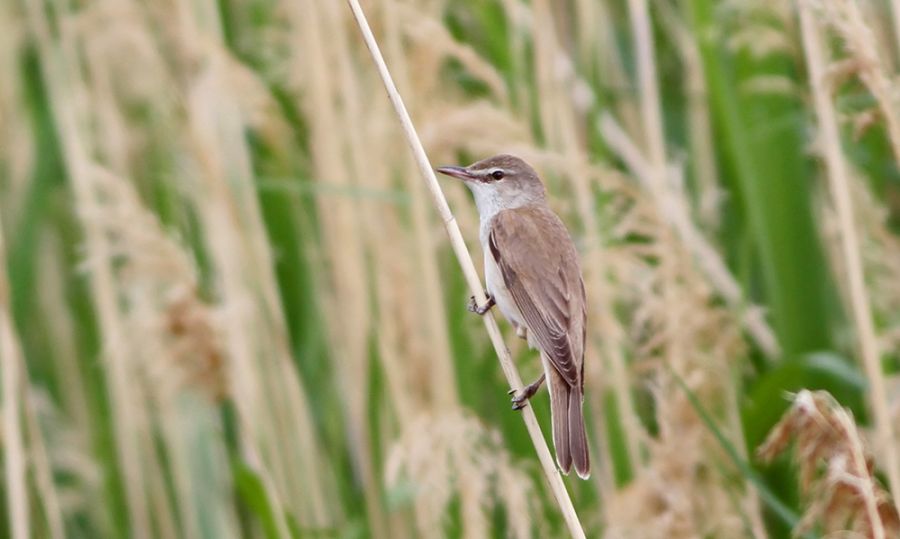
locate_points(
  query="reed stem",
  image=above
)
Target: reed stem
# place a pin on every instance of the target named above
(840, 192)
(13, 439)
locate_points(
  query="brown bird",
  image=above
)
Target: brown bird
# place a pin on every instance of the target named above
(533, 276)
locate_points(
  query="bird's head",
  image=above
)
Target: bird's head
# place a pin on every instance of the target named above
(500, 182)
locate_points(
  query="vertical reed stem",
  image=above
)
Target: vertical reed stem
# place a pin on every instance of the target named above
(654, 140)
(13, 444)
(840, 192)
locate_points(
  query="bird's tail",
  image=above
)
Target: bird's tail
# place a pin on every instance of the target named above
(559, 417)
(569, 437)
(578, 445)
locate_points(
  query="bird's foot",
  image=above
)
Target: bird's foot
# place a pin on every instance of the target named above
(480, 309)
(522, 396)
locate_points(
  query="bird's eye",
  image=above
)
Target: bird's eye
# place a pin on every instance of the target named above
(497, 174)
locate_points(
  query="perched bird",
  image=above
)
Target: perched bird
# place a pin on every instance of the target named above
(533, 276)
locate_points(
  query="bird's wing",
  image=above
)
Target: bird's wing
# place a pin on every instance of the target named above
(540, 268)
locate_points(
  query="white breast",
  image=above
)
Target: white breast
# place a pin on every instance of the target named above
(491, 200)
(497, 287)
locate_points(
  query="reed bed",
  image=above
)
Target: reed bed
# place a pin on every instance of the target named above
(228, 307)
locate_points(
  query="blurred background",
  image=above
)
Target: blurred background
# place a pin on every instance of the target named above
(229, 309)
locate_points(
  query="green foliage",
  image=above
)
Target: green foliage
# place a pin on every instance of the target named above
(252, 492)
(768, 174)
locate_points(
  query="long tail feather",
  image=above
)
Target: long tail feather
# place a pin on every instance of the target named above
(578, 446)
(559, 413)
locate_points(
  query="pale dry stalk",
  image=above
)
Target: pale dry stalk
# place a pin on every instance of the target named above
(516, 14)
(11, 369)
(280, 446)
(895, 13)
(840, 191)
(398, 280)
(324, 44)
(151, 266)
(177, 348)
(835, 470)
(879, 247)
(846, 17)
(16, 129)
(600, 47)
(699, 121)
(162, 507)
(558, 115)
(401, 351)
(654, 141)
(245, 387)
(588, 35)
(660, 185)
(60, 331)
(452, 452)
(356, 163)
(674, 209)
(120, 205)
(431, 306)
(67, 94)
(43, 471)
(471, 275)
(114, 191)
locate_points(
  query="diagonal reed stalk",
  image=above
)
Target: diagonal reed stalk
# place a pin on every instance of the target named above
(471, 275)
(830, 147)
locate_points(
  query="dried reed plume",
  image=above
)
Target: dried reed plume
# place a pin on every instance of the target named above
(176, 355)
(836, 471)
(879, 247)
(863, 59)
(441, 457)
(59, 448)
(173, 64)
(182, 348)
(673, 492)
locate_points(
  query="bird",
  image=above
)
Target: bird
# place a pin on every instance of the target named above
(533, 276)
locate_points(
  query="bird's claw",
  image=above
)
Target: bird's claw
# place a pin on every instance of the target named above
(520, 397)
(480, 309)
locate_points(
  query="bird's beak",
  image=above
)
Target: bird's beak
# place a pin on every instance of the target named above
(456, 172)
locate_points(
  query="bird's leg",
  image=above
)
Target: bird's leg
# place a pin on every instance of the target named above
(522, 396)
(480, 309)
(521, 331)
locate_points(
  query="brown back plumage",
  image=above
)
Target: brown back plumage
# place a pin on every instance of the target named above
(540, 268)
